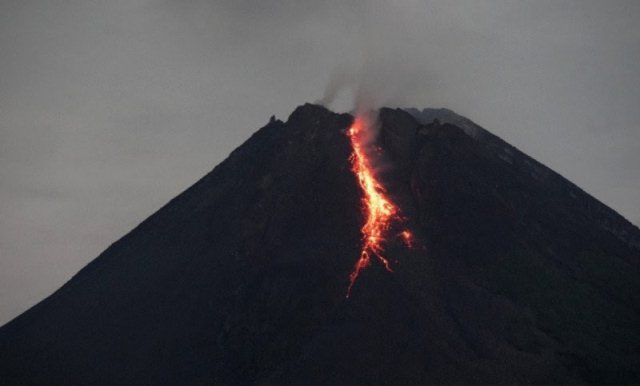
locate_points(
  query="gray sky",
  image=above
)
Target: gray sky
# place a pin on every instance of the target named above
(108, 109)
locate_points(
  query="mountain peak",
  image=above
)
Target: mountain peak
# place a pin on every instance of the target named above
(514, 275)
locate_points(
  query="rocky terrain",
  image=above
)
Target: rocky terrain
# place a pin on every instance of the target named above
(517, 276)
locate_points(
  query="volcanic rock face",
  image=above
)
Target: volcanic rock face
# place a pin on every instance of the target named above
(516, 275)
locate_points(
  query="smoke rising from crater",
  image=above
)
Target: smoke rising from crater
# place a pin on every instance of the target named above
(377, 72)
(110, 109)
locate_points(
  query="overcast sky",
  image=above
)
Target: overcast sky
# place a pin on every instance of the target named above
(108, 109)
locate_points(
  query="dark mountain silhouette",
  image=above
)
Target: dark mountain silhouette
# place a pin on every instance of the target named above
(517, 275)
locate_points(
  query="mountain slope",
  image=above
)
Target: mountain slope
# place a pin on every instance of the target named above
(517, 276)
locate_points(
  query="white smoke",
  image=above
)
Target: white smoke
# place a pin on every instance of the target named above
(384, 65)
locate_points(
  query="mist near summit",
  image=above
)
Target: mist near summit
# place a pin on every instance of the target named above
(109, 109)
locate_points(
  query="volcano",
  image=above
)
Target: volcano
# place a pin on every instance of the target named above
(513, 275)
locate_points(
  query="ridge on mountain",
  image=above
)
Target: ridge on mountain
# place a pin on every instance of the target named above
(611, 220)
(517, 275)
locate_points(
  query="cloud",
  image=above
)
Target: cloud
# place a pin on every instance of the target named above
(109, 109)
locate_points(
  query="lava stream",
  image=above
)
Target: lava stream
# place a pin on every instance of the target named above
(380, 211)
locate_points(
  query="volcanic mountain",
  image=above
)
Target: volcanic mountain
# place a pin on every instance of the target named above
(513, 275)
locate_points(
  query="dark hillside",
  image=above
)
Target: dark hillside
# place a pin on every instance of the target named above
(517, 275)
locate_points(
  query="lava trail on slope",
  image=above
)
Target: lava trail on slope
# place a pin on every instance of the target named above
(380, 211)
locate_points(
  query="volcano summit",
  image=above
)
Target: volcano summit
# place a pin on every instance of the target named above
(513, 275)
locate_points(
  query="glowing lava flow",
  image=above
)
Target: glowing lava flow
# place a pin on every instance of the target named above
(379, 209)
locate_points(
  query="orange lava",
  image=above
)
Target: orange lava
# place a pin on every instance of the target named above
(380, 211)
(407, 237)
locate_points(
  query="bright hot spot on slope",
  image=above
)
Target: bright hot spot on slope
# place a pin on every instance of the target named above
(379, 209)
